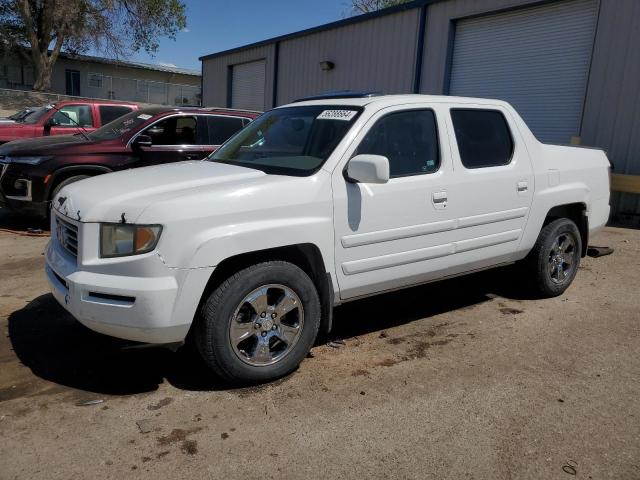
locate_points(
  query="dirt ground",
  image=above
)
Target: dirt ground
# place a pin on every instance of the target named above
(460, 379)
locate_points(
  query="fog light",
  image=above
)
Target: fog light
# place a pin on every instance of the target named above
(21, 187)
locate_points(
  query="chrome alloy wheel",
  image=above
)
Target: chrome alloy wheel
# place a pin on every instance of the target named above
(562, 258)
(266, 325)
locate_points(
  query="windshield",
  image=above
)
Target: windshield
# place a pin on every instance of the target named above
(20, 114)
(34, 116)
(289, 141)
(120, 126)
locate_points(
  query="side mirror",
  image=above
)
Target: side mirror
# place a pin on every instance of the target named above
(50, 123)
(142, 141)
(368, 169)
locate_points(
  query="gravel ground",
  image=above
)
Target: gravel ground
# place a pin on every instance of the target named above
(466, 378)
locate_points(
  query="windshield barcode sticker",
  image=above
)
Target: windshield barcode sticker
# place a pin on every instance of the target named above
(345, 115)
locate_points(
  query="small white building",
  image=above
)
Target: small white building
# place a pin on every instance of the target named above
(95, 77)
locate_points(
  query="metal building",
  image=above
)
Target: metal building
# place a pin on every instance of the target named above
(570, 67)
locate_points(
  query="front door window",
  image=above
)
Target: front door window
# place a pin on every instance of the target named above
(174, 131)
(73, 116)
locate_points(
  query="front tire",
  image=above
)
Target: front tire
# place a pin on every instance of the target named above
(260, 323)
(65, 182)
(553, 262)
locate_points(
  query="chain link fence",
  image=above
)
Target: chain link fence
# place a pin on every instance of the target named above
(148, 91)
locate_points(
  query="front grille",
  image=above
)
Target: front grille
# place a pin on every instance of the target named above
(67, 234)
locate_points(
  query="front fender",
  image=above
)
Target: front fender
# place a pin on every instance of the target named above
(218, 243)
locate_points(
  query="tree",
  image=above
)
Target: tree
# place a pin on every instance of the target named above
(367, 6)
(38, 30)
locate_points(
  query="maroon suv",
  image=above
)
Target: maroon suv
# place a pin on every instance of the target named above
(33, 170)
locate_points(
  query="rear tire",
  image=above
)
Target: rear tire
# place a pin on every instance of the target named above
(553, 262)
(259, 324)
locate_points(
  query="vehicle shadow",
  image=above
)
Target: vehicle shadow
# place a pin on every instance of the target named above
(20, 223)
(404, 306)
(57, 348)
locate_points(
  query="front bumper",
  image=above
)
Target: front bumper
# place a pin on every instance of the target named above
(26, 207)
(151, 309)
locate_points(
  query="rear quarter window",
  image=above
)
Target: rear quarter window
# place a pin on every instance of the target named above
(483, 137)
(221, 128)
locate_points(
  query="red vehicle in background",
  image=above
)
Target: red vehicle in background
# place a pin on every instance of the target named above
(34, 169)
(64, 118)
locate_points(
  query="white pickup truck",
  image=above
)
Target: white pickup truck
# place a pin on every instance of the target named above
(314, 204)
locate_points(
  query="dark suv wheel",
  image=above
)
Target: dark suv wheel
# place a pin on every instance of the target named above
(65, 182)
(260, 323)
(553, 262)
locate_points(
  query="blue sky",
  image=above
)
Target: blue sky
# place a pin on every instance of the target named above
(215, 25)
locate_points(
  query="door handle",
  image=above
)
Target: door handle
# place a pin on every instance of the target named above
(439, 199)
(522, 187)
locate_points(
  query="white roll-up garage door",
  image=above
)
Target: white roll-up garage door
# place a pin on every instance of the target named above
(535, 58)
(247, 88)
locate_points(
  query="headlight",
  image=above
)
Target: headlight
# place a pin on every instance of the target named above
(120, 240)
(28, 160)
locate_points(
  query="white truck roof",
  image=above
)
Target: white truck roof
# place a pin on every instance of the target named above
(383, 101)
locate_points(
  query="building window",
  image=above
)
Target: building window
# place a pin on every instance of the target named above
(95, 80)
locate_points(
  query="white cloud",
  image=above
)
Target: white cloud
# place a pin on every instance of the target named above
(185, 30)
(164, 64)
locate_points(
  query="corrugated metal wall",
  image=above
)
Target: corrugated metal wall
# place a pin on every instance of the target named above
(379, 54)
(535, 58)
(375, 55)
(440, 17)
(215, 72)
(612, 108)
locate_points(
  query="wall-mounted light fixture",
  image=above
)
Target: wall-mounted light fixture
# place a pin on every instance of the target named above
(326, 65)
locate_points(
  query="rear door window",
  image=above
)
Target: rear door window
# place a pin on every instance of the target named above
(483, 137)
(108, 113)
(221, 128)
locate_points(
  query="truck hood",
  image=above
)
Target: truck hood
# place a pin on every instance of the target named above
(42, 145)
(123, 196)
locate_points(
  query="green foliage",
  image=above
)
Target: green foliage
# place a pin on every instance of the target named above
(40, 29)
(366, 6)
